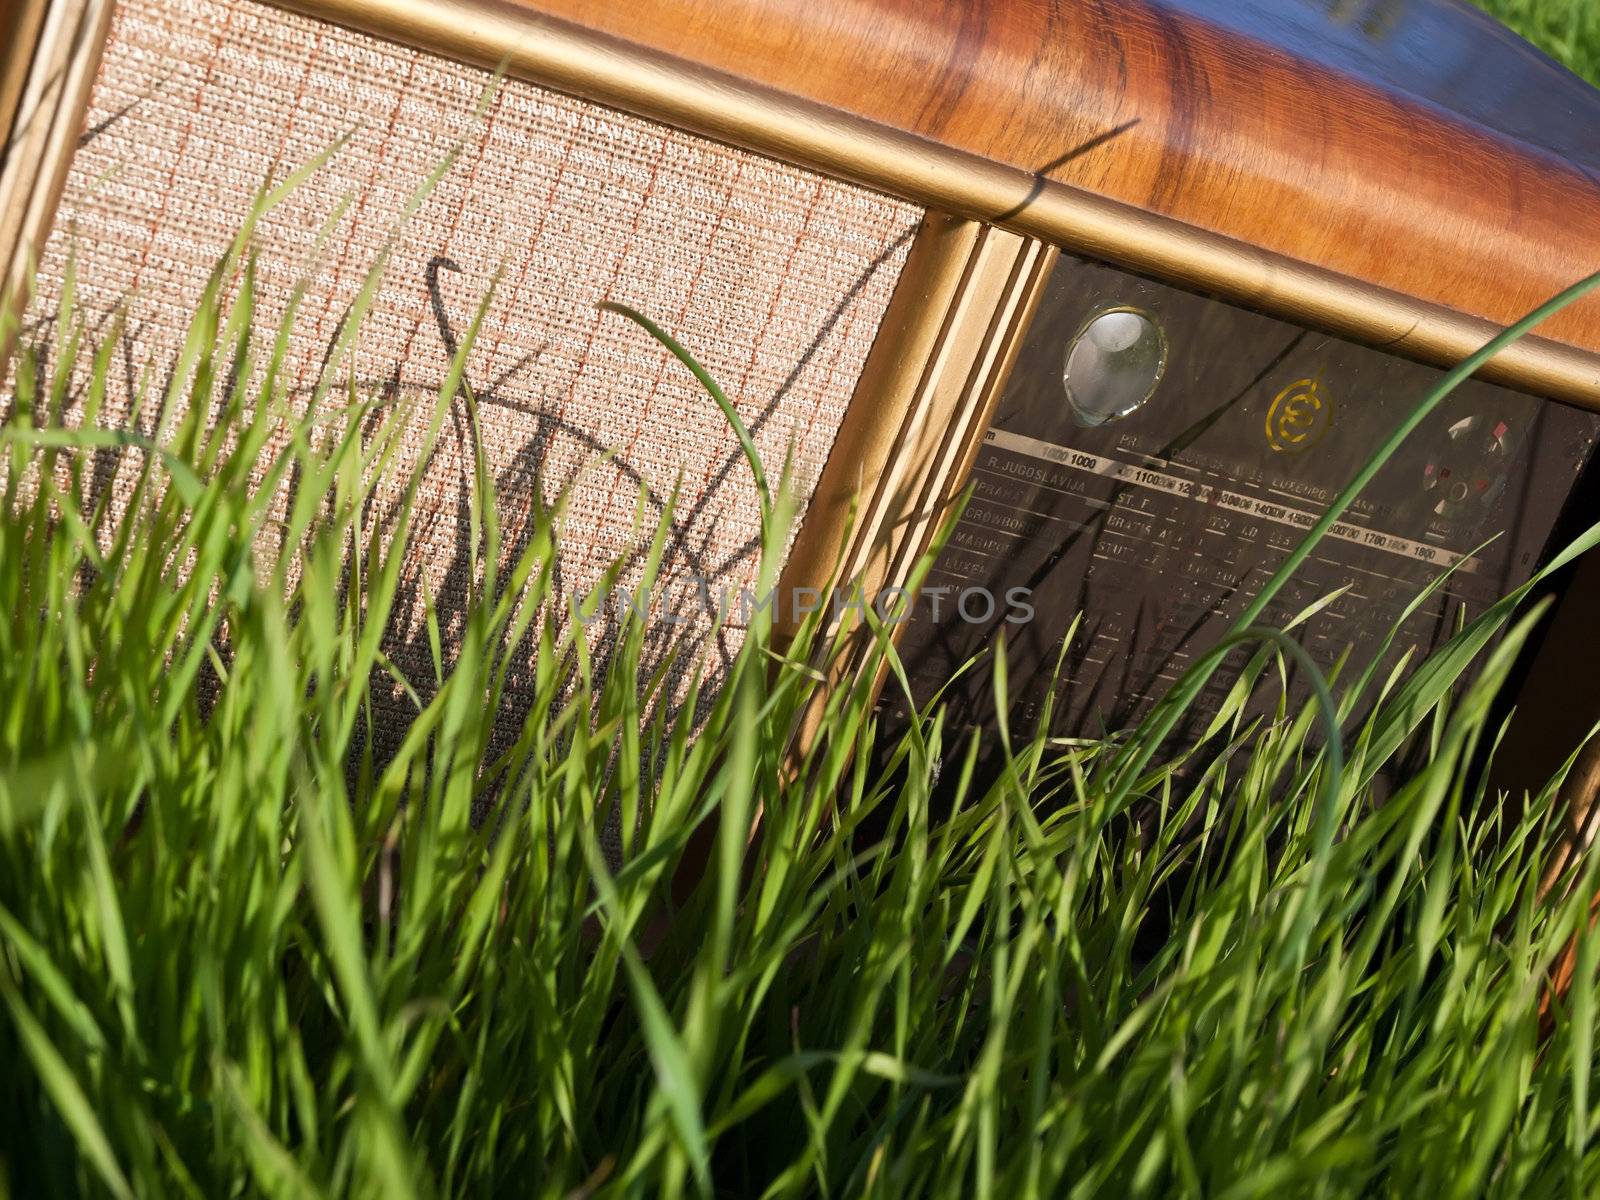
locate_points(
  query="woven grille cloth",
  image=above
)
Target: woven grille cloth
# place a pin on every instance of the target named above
(776, 278)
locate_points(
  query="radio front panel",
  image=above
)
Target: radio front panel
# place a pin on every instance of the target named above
(1157, 455)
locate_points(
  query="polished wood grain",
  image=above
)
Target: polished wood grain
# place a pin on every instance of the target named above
(1410, 144)
(19, 33)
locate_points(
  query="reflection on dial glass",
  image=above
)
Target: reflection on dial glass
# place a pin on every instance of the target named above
(1114, 366)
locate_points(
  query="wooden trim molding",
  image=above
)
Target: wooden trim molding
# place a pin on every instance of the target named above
(922, 405)
(19, 34)
(51, 89)
(924, 401)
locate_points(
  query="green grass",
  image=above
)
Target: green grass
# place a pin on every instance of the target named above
(240, 955)
(1567, 30)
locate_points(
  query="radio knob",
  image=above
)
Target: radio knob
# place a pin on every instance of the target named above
(1467, 472)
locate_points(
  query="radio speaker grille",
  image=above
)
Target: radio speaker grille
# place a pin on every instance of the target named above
(775, 277)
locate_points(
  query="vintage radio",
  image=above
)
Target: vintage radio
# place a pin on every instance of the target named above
(1153, 275)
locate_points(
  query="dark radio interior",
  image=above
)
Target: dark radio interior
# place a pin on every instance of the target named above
(1160, 522)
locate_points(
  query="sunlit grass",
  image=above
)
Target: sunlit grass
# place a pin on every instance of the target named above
(240, 953)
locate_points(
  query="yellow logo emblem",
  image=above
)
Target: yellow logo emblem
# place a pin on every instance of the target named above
(1299, 416)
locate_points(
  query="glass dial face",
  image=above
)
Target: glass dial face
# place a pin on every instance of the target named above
(1114, 366)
